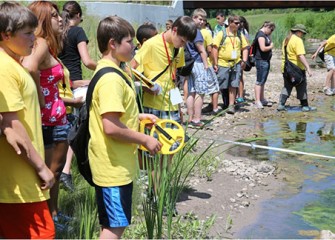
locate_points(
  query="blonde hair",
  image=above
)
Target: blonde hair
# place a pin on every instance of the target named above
(199, 12)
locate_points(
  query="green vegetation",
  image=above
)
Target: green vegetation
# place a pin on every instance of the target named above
(317, 22)
(321, 213)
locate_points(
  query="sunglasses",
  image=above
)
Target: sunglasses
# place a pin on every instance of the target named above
(237, 23)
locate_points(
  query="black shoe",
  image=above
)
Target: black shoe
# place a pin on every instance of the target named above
(66, 180)
(207, 109)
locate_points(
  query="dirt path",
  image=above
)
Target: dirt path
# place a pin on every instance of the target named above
(240, 184)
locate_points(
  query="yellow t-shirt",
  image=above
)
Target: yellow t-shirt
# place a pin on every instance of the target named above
(67, 92)
(19, 182)
(152, 59)
(295, 47)
(330, 45)
(230, 47)
(113, 162)
(208, 40)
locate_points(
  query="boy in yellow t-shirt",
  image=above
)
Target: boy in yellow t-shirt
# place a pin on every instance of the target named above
(113, 125)
(25, 178)
(154, 56)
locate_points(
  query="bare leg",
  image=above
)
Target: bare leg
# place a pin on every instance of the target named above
(215, 100)
(55, 159)
(241, 88)
(199, 99)
(185, 89)
(190, 106)
(111, 233)
(67, 166)
(258, 94)
(232, 95)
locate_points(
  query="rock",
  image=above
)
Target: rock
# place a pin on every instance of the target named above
(265, 167)
(326, 234)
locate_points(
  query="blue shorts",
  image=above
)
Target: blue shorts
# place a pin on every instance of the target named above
(263, 69)
(114, 205)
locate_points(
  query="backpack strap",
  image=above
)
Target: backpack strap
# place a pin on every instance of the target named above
(94, 81)
(225, 36)
(223, 39)
(175, 53)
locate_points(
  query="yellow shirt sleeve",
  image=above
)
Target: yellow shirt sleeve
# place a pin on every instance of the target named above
(330, 46)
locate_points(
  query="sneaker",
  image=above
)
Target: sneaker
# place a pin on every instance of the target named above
(281, 108)
(259, 105)
(266, 103)
(240, 100)
(328, 92)
(308, 109)
(216, 112)
(207, 109)
(66, 180)
(231, 109)
(199, 124)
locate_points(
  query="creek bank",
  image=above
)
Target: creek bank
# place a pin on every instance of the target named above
(240, 184)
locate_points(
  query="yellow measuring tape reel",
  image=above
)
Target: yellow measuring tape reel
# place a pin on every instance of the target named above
(168, 132)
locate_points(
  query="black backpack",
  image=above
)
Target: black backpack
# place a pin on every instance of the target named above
(79, 134)
(189, 62)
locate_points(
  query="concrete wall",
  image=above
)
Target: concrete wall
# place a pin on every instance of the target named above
(137, 14)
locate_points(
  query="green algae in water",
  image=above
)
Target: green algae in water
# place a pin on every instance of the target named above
(321, 214)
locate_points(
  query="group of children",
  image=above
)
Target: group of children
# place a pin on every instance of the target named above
(35, 120)
(38, 46)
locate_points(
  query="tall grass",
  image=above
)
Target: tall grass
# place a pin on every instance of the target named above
(317, 23)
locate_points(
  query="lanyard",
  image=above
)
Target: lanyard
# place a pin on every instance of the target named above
(232, 43)
(168, 57)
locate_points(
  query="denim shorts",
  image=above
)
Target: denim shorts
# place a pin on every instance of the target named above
(173, 115)
(263, 69)
(53, 134)
(229, 76)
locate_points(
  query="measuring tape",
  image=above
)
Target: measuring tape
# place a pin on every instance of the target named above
(168, 132)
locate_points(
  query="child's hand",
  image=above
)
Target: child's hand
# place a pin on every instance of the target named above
(78, 102)
(47, 177)
(16, 141)
(151, 117)
(152, 144)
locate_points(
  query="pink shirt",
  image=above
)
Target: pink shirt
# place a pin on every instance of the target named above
(54, 112)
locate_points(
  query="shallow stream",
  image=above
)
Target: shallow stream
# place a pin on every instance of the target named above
(306, 204)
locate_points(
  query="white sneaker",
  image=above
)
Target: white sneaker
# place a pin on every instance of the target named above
(328, 92)
(266, 103)
(259, 105)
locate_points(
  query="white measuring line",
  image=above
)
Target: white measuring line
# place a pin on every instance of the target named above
(253, 146)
